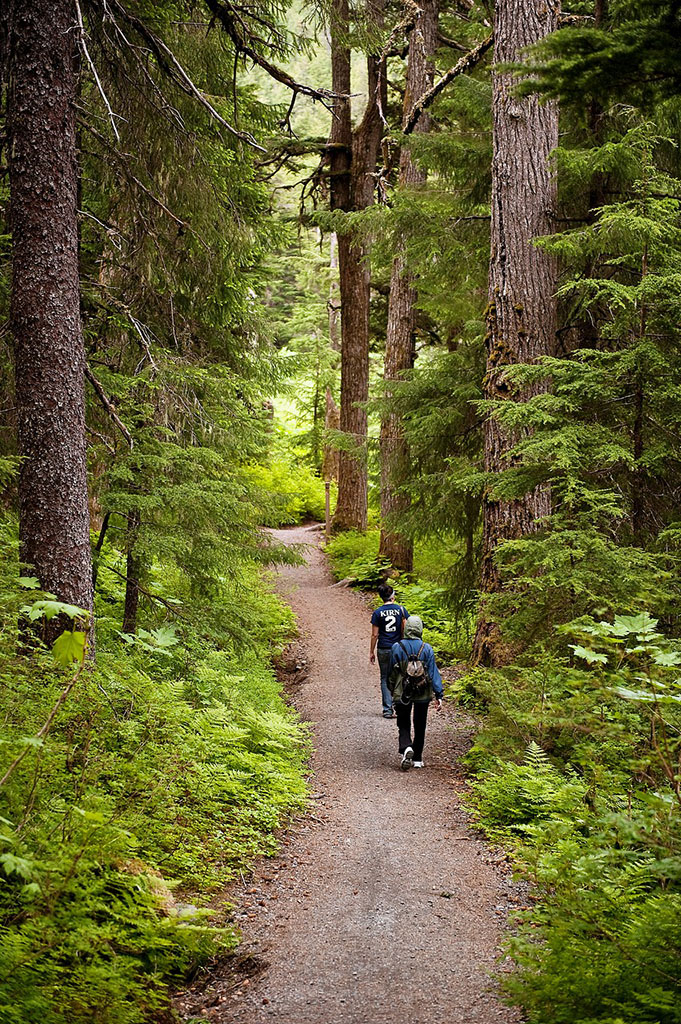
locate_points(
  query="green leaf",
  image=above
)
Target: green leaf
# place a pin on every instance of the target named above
(667, 658)
(591, 657)
(50, 607)
(69, 647)
(29, 582)
(642, 624)
(164, 636)
(13, 865)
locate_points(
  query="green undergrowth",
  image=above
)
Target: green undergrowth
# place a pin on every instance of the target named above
(575, 771)
(294, 492)
(168, 768)
(426, 592)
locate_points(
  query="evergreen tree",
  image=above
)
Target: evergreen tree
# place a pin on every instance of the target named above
(45, 314)
(399, 351)
(521, 315)
(353, 158)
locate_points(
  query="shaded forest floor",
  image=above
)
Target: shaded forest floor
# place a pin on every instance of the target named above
(383, 906)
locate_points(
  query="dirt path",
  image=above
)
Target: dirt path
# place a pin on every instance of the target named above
(382, 908)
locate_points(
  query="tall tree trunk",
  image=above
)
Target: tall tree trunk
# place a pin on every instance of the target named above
(332, 416)
(354, 189)
(54, 524)
(521, 316)
(394, 546)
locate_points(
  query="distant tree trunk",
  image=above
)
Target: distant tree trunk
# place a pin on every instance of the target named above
(132, 574)
(54, 525)
(332, 416)
(521, 315)
(354, 189)
(394, 546)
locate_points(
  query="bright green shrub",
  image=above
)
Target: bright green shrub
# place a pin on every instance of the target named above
(168, 768)
(290, 492)
(595, 827)
(354, 556)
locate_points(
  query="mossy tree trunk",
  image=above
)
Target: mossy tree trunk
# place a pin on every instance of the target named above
(396, 546)
(521, 317)
(353, 158)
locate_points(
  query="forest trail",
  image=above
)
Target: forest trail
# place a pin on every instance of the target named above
(381, 908)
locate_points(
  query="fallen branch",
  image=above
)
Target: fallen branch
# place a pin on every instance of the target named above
(347, 582)
(108, 405)
(467, 63)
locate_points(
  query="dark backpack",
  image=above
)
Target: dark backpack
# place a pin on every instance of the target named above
(410, 677)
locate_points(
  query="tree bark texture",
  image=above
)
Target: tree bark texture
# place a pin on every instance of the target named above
(332, 416)
(394, 546)
(521, 315)
(354, 191)
(45, 304)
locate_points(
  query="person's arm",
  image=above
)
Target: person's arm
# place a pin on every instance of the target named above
(405, 616)
(434, 673)
(374, 640)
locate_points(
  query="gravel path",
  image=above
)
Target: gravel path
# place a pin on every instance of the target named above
(382, 907)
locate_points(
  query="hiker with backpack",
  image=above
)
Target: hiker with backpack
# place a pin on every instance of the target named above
(415, 681)
(387, 626)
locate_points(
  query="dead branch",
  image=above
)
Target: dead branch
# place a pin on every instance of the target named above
(147, 593)
(225, 13)
(100, 87)
(169, 64)
(122, 160)
(407, 23)
(451, 43)
(108, 405)
(467, 63)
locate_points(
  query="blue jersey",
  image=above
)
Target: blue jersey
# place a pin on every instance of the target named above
(389, 618)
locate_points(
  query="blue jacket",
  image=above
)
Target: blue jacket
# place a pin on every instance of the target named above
(413, 645)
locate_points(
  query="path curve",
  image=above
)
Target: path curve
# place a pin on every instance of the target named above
(383, 908)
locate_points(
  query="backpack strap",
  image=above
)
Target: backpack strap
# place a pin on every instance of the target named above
(404, 650)
(423, 644)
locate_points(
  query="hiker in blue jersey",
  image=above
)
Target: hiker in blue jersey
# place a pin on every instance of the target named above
(387, 626)
(415, 681)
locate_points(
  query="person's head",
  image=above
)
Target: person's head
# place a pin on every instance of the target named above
(413, 627)
(386, 592)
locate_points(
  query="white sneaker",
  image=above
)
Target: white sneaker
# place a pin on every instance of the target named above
(418, 764)
(407, 759)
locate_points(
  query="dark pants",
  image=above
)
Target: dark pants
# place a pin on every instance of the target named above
(384, 659)
(404, 726)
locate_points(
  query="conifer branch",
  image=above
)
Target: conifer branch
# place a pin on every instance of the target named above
(170, 65)
(147, 593)
(467, 63)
